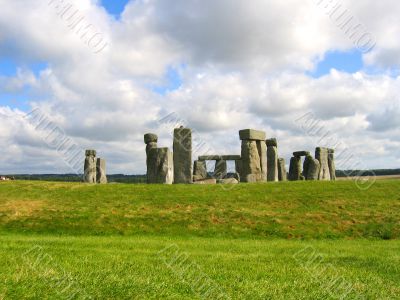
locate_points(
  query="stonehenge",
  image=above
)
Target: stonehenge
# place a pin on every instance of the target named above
(257, 162)
(182, 147)
(94, 170)
(159, 161)
(254, 156)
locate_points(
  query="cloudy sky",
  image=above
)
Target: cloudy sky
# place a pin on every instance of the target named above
(310, 73)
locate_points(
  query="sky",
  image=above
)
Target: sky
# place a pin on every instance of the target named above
(309, 73)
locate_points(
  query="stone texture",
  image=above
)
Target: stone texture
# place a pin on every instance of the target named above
(262, 150)
(282, 175)
(206, 181)
(301, 153)
(331, 163)
(251, 134)
(90, 167)
(150, 138)
(295, 168)
(272, 142)
(210, 157)
(183, 168)
(313, 168)
(251, 163)
(238, 166)
(272, 159)
(160, 167)
(220, 170)
(101, 176)
(228, 181)
(322, 155)
(230, 157)
(199, 170)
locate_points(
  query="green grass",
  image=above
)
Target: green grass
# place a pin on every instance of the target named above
(283, 210)
(294, 240)
(133, 268)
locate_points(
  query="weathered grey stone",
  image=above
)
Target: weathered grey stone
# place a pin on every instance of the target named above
(150, 138)
(220, 170)
(251, 162)
(312, 169)
(228, 181)
(251, 134)
(206, 181)
(295, 168)
(101, 176)
(90, 167)
(238, 166)
(301, 153)
(282, 175)
(150, 146)
(160, 166)
(262, 151)
(331, 163)
(230, 157)
(183, 168)
(322, 155)
(272, 159)
(199, 170)
(210, 157)
(272, 142)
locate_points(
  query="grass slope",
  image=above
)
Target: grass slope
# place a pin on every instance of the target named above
(281, 210)
(38, 267)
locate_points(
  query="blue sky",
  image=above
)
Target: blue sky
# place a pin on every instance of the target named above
(114, 7)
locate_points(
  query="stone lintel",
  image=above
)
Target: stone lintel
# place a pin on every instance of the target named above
(272, 142)
(150, 138)
(301, 153)
(252, 134)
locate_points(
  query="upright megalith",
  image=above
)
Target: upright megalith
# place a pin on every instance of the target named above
(221, 169)
(272, 160)
(90, 167)
(199, 170)
(295, 168)
(183, 168)
(160, 166)
(101, 176)
(150, 139)
(282, 176)
(322, 155)
(311, 168)
(254, 156)
(331, 163)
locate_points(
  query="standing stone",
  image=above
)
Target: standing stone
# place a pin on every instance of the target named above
(160, 166)
(101, 176)
(322, 155)
(331, 163)
(254, 153)
(282, 175)
(311, 168)
(295, 168)
(150, 139)
(90, 167)
(199, 170)
(183, 168)
(221, 169)
(272, 159)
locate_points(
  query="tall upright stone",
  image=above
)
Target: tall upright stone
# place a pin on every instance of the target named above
(322, 155)
(101, 176)
(253, 154)
(295, 168)
(331, 163)
(183, 168)
(160, 166)
(272, 160)
(282, 170)
(150, 139)
(199, 170)
(90, 167)
(221, 169)
(311, 168)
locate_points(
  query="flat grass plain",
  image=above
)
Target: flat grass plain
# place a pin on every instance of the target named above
(294, 240)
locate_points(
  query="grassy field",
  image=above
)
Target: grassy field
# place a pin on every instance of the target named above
(295, 240)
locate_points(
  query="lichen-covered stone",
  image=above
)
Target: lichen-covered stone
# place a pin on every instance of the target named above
(228, 181)
(262, 151)
(220, 169)
(322, 155)
(89, 171)
(311, 168)
(272, 159)
(295, 168)
(160, 166)
(101, 176)
(271, 142)
(183, 168)
(199, 170)
(150, 138)
(301, 153)
(250, 163)
(206, 181)
(331, 163)
(282, 175)
(251, 134)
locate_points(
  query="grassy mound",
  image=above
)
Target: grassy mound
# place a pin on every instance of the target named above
(279, 210)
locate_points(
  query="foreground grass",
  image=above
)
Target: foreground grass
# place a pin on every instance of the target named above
(48, 267)
(281, 210)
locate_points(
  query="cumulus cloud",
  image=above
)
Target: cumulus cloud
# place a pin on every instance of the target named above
(240, 66)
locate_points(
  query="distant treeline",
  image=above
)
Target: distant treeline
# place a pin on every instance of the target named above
(142, 178)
